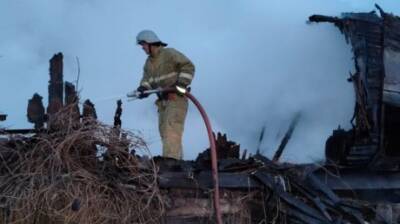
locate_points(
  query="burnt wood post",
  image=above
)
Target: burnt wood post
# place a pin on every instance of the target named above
(89, 112)
(117, 116)
(55, 84)
(35, 111)
(71, 101)
(3, 117)
(117, 119)
(286, 138)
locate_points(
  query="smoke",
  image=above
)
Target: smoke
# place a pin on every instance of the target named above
(257, 64)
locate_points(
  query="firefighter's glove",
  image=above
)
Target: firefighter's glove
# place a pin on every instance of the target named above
(141, 92)
(138, 93)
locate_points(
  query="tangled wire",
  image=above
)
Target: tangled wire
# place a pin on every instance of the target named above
(61, 176)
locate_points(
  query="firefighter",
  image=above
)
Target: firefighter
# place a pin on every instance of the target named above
(166, 67)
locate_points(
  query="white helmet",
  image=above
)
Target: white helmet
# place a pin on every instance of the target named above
(149, 37)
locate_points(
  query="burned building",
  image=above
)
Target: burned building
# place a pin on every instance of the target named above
(373, 139)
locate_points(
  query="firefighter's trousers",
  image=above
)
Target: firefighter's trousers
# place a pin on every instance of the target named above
(171, 120)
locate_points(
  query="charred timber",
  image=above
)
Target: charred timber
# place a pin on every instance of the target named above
(117, 116)
(286, 138)
(71, 101)
(71, 96)
(56, 84)
(302, 193)
(36, 113)
(226, 150)
(3, 117)
(322, 18)
(18, 131)
(89, 112)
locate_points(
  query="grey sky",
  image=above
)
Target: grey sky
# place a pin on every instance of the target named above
(257, 62)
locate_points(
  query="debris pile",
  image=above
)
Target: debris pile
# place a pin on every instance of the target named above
(71, 168)
(60, 177)
(256, 190)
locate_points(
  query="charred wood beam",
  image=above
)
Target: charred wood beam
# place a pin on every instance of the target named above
(203, 180)
(71, 96)
(236, 165)
(265, 161)
(244, 155)
(225, 148)
(36, 113)
(260, 139)
(3, 117)
(360, 111)
(292, 201)
(18, 131)
(310, 194)
(308, 199)
(315, 183)
(286, 138)
(89, 112)
(71, 101)
(270, 165)
(299, 217)
(117, 116)
(55, 84)
(360, 180)
(353, 214)
(117, 127)
(380, 10)
(322, 18)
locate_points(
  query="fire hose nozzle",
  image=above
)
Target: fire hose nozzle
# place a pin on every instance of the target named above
(136, 94)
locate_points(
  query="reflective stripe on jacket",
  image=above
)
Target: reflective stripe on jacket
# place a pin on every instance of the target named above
(166, 68)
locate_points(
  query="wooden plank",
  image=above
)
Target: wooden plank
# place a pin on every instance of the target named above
(203, 180)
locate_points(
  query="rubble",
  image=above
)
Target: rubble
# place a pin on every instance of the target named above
(35, 113)
(59, 177)
(282, 193)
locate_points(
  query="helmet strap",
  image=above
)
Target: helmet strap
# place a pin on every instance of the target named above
(151, 49)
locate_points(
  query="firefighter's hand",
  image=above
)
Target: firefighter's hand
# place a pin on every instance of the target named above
(140, 92)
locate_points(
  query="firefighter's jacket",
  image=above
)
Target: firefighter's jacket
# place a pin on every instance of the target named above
(166, 69)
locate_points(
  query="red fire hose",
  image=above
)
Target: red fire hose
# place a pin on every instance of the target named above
(214, 163)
